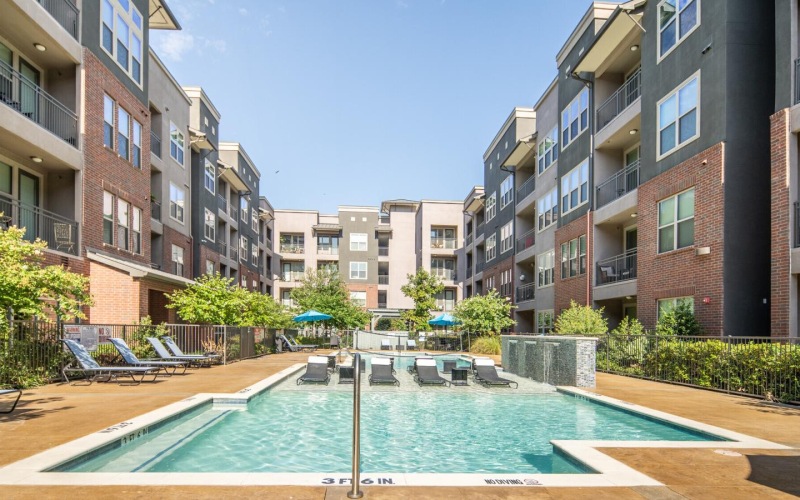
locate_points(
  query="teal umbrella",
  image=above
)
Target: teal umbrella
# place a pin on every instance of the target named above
(444, 319)
(312, 315)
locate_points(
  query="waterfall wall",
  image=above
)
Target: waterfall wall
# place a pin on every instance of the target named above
(555, 360)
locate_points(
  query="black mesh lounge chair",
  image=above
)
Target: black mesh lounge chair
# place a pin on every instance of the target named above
(386, 345)
(474, 361)
(93, 371)
(295, 347)
(411, 345)
(413, 368)
(172, 346)
(169, 367)
(316, 371)
(3, 392)
(165, 355)
(428, 374)
(382, 372)
(486, 374)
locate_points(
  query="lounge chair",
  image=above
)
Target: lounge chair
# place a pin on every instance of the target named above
(165, 355)
(486, 374)
(386, 345)
(382, 372)
(93, 371)
(132, 360)
(3, 392)
(411, 345)
(316, 371)
(295, 347)
(346, 375)
(331, 362)
(412, 369)
(474, 365)
(334, 341)
(309, 347)
(427, 373)
(172, 346)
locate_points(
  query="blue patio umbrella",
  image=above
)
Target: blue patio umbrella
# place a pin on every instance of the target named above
(312, 315)
(444, 319)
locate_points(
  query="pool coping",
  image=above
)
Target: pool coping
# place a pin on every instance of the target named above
(610, 472)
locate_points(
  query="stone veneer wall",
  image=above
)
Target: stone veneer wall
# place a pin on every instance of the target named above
(553, 360)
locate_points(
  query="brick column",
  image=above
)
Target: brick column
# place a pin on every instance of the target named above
(781, 228)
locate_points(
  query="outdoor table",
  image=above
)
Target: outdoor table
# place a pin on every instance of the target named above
(458, 376)
(448, 366)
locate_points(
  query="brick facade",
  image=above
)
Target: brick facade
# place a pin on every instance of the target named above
(206, 253)
(682, 272)
(372, 293)
(781, 230)
(173, 237)
(577, 288)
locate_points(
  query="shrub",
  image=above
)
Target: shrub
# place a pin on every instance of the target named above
(581, 320)
(679, 320)
(486, 345)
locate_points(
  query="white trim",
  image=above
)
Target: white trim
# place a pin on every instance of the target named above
(678, 39)
(674, 92)
(132, 31)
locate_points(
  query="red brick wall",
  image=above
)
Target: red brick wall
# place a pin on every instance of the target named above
(155, 309)
(372, 293)
(781, 224)
(206, 254)
(115, 295)
(173, 237)
(682, 272)
(576, 288)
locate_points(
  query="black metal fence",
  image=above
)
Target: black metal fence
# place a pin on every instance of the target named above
(65, 12)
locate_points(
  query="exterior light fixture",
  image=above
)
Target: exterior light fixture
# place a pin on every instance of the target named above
(634, 131)
(634, 48)
(40, 47)
(634, 215)
(36, 159)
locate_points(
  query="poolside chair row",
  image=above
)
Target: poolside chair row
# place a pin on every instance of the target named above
(386, 345)
(317, 371)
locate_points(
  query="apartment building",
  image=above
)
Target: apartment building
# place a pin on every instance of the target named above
(266, 253)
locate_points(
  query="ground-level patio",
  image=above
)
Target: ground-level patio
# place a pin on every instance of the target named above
(58, 413)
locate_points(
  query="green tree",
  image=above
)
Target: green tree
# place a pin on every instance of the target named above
(422, 288)
(262, 310)
(581, 320)
(679, 320)
(324, 291)
(211, 299)
(486, 314)
(628, 326)
(33, 289)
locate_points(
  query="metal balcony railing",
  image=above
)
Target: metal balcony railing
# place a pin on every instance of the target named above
(292, 248)
(292, 275)
(155, 144)
(222, 203)
(527, 240)
(796, 81)
(381, 305)
(383, 219)
(479, 267)
(446, 243)
(617, 268)
(383, 251)
(619, 184)
(65, 13)
(32, 102)
(233, 253)
(469, 272)
(619, 100)
(796, 224)
(223, 248)
(60, 233)
(470, 237)
(527, 188)
(445, 274)
(155, 210)
(479, 229)
(383, 279)
(526, 292)
(327, 250)
(233, 212)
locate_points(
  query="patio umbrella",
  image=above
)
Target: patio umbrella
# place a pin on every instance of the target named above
(312, 315)
(444, 319)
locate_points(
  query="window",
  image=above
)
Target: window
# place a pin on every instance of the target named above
(442, 237)
(675, 24)
(108, 218)
(506, 191)
(293, 271)
(491, 207)
(547, 210)
(243, 248)
(210, 267)
(676, 222)
(665, 305)
(210, 228)
(505, 283)
(254, 220)
(175, 143)
(575, 118)
(137, 144)
(177, 260)
(358, 242)
(286, 297)
(575, 187)
(176, 202)
(573, 257)
(120, 18)
(136, 230)
(123, 142)
(491, 247)
(108, 122)
(678, 117)
(358, 270)
(292, 243)
(446, 299)
(326, 265)
(546, 263)
(244, 206)
(359, 298)
(254, 254)
(544, 321)
(444, 268)
(507, 237)
(210, 177)
(327, 245)
(547, 150)
(122, 224)
(490, 283)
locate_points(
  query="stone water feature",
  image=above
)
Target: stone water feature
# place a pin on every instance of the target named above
(555, 360)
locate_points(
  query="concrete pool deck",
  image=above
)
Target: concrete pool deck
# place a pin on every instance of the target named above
(58, 413)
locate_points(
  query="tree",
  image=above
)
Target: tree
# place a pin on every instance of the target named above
(211, 299)
(324, 291)
(422, 288)
(262, 310)
(679, 320)
(485, 314)
(31, 289)
(581, 320)
(628, 326)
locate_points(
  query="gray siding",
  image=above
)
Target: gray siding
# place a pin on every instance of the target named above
(346, 256)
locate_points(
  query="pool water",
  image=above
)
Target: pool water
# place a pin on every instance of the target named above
(440, 431)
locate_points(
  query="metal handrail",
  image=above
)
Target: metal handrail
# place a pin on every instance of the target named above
(619, 100)
(383, 279)
(155, 144)
(527, 240)
(618, 268)
(447, 274)
(60, 233)
(383, 251)
(526, 292)
(448, 243)
(32, 102)
(618, 185)
(292, 248)
(355, 481)
(470, 237)
(327, 250)
(65, 13)
(155, 210)
(527, 188)
(222, 202)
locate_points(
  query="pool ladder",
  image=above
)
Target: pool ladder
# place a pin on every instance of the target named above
(356, 479)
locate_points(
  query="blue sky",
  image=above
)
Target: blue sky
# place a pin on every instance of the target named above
(352, 102)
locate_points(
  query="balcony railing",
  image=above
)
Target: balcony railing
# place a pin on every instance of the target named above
(292, 248)
(381, 305)
(526, 292)
(155, 210)
(470, 238)
(383, 279)
(469, 272)
(31, 101)
(292, 275)
(233, 253)
(222, 203)
(619, 100)
(233, 212)
(327, 250)
(479, 229)
(447, 243)
(155, 144)
(223, 248)
(65, 13)
(527, 188)
(60, 233)
(383, 251)
(445, 274)
(479, 267)
(527, 240)
(619, 184)
(796, 224)
(617, 268)
(796, 81)
(383, 219)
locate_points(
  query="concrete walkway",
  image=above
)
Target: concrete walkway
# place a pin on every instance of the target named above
(58, 413)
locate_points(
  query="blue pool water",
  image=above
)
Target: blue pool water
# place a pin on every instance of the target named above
(440, 430)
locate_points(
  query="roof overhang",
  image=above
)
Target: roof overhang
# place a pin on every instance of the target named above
(474, 205)
(229, 174)
(161, 17)
(137, 271)
(200, 140)
(614, 36)
(387, 205)
(385, 228)
(265, 215)
(327, 228)
(521, 152)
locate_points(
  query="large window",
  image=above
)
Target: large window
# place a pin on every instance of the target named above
(491, 207)
(507, 237)
(254, 254)
(176, 143)
(243, 248)
(210, 177)
(575, 118)
(675, 22)
(358, 270)
(210, 227)
(679, 117)
(446, 299)
(444, 268)
(292, 243)
(121, 35)
(177, 202)
(122, 224)
(136, 157)
(547, 210)
(358, 298)
(544, 321)
(573, 257)
(210, 267)
(442, 237)
(575, 187)
(108, 122)
(136, 230)
(676, 222)
(108, 218)
(547, 150)
(506, 283)
(665, 305)
(244, 207)
(506, 191)
(546, 263)
(123, 140)
(491, 247)
(358, 242)
(327, 244)
(293, 271)
(177, 260)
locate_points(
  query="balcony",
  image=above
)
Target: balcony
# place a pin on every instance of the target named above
(381, 305)
(626, 95)
(223, 248)
(32, 102)
(233, 212)
(222, 204)
(445, 274)
(469, 272)
(618, 185)
(616, 269)
(65, 13)
(383, 279)
(445, 243)
(469, 239)
(383, 251)
(155, 144)
(479, 267)
(479, 229)
(60, 233)
(527, 188)
(526, 241)
(292, 275)
(324, 250)
(526, 292)
(233, 253)
(155, 210)
(292, 248)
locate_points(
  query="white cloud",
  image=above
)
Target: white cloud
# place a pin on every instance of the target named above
(243, 11)
(175, 44)
(217, 44)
